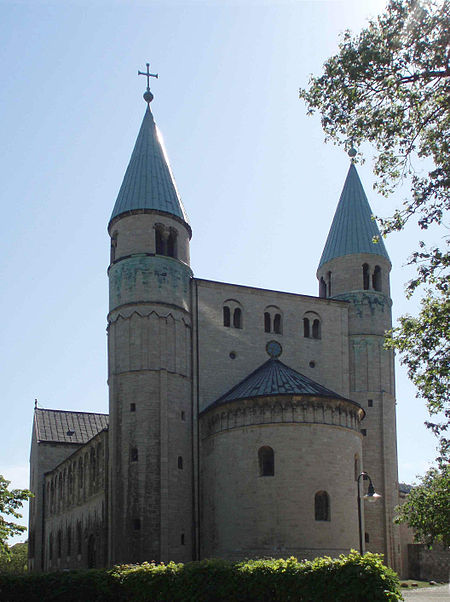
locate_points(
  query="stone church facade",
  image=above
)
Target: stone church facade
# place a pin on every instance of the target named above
(239, 418)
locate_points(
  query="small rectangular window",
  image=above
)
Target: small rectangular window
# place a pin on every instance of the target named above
(370, 402)
(182, 539)
(132, 407)
(364, 432)
(183, 415)
(136, 524)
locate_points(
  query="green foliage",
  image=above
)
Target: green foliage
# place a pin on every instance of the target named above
(389, 86)
(16, 560)
(427, 508)
(424, 343)
(351, 578)
(10, 503)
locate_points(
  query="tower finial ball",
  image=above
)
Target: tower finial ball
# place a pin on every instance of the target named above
(148, 96)
(352, 152)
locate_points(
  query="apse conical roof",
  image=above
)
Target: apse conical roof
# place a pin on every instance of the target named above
(353, 229)
(148, 181)
(274, 378)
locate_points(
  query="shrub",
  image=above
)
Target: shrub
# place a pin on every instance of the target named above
(351, 578)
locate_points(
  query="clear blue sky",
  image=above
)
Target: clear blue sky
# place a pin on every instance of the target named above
(258, 183)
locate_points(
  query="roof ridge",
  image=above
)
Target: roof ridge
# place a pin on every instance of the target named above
(73, 411)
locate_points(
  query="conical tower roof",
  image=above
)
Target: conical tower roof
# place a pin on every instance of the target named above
(274, 378)
(353, 228)
(148, 182)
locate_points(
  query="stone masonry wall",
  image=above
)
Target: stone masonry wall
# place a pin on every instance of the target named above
(75, 531)
(425, 564)
(247, 514)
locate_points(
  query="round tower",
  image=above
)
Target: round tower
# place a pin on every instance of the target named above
(149, 354)
(355, 267)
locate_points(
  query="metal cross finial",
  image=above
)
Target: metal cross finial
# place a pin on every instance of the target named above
(148, 75)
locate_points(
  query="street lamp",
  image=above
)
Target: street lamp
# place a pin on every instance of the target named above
(370, 496)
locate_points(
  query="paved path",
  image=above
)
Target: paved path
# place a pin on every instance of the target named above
(427, 594)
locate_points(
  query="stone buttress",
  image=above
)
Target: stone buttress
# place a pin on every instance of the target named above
(355, 268)
(149, 350)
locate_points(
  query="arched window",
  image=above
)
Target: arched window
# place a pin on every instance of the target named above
(59, 543)
(93, 465)
(266, 461)
(159, 241)
(366, 537)
(365, 276)
(356, 467)
(232, 314)
(52, 496)
(98, 452)
(91, 552)
(329, 283)
(376, 278)
(237, 318)
(60, 490)
(277, 324)
(322, 288)
(79, 538)
(306, 328)
(113, 246)
(316, 329)
(69, 540)
(70, 480)
(80, 473)
(172, 243)
(312, 325)
(273, 319)
(134, 456)
(322, 506)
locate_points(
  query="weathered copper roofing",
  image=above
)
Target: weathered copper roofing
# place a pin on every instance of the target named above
(60, 426)
(148, 182)
(353, 229)
(274, 378)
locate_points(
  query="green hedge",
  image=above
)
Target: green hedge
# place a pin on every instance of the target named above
(351, 578)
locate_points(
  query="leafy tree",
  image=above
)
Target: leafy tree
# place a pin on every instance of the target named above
(389, 86)
(10, 502)
(427, 508)
(16, 561)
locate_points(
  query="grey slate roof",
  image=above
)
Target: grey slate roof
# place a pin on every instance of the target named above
(148, 182)
(352, 229)
(53, 425)
(274, 378)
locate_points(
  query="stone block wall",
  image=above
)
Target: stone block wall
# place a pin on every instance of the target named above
(75, 528)
(425, 564)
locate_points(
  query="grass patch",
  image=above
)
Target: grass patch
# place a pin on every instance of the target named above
(414, 584)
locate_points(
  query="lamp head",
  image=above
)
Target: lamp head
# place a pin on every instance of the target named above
(371, 495)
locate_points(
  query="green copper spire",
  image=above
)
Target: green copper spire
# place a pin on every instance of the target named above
(148, 183)
(353, 228)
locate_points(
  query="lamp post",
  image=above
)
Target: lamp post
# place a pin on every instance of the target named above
(370, 496)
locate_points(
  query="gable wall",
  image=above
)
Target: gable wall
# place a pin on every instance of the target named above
(44, 456)
(217, 372)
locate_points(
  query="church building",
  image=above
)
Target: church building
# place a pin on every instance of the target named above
(240, 418)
